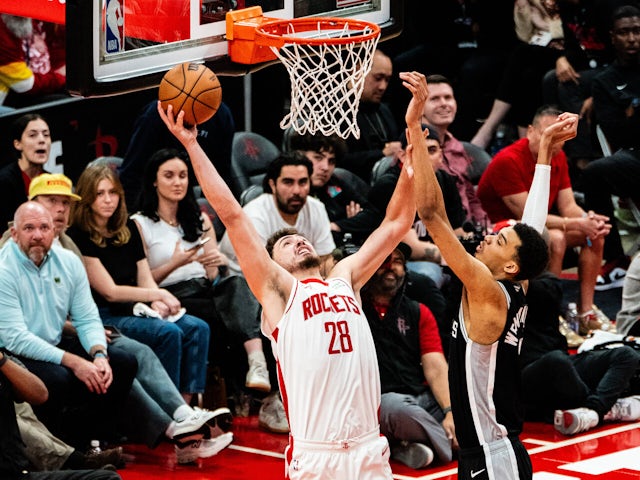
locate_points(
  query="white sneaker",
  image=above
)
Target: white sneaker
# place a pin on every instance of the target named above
(195, 422)
(258, 377)
(576, 420)
(624, 410)
(221, 421)
(413, 455)
(272, 416)
(190, 451)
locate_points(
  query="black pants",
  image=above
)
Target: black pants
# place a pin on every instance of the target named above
(73, 475)
(593, 379)
(618, 174)
(72, 412)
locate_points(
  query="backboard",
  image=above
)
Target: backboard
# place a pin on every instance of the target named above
(116, 46)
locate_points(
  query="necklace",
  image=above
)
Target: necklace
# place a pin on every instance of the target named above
(173, 223)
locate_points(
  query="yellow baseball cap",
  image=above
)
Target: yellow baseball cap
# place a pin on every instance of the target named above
(52, 184)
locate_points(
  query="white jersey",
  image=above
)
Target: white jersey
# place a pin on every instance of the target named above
(327, 363)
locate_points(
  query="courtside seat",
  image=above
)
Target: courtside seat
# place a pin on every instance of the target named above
(380, 167)
(251, 153)
(480, 161)
(350, 178)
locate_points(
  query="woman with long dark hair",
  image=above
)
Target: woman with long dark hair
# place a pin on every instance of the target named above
(119, 275)
(173, 228)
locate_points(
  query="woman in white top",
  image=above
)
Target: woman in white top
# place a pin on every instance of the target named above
(183, 254)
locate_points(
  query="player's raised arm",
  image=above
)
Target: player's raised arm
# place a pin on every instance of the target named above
(400, 212)
(259, 270)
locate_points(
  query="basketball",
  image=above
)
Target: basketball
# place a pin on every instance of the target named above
(192, 88)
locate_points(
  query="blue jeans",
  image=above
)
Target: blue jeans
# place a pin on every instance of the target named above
(182, 347)
(153, 397)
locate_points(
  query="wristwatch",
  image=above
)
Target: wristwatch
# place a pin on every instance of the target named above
(100, 354)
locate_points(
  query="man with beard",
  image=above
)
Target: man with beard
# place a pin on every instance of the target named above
(42, 69)
(286, 204)
(328, 369)
(415, 410)
(40, 288)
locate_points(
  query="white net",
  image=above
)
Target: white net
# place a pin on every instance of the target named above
(326, 81)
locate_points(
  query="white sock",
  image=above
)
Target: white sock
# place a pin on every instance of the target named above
(182, 412)
(257, 357)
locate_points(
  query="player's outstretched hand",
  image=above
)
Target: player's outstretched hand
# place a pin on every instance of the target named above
(176, 125)
(416, 83)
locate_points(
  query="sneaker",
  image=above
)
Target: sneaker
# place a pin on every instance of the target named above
(190, 451)
(258, 377)
(569, 422)
(624, 410)
(221, 421)
(589, 321)
(614, 279)
(108, 459)
(573, 339)
(272, 416)
(413, 455)
(607, 324)
(195, 423)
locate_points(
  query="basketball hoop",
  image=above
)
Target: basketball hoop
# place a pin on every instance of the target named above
(327, 60)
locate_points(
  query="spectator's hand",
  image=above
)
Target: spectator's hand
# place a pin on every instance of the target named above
(91, 374)
(595, 225)
(391, 149)
(170, 301)
(181, 256)
(105, 372)
(450, 429)
(586, 112)
(353, 208)
(213, 258)
(565, 72)
(161, 307)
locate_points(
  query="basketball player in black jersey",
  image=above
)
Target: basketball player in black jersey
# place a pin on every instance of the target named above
(484, 375)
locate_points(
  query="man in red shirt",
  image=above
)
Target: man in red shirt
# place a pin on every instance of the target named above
(503, 191)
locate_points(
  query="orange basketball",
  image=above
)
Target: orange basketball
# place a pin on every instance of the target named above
(193, 88)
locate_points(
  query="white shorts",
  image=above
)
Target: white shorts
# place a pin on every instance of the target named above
(363, 458)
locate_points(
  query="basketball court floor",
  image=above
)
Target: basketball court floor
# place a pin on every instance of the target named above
(610, 452)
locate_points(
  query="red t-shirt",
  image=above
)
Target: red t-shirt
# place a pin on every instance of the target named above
(429, 335)
(511, 172)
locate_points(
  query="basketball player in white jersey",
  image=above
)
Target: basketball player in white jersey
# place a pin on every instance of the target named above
(484, 377)
(327, 363)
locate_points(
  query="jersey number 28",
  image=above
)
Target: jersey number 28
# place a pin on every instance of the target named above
(340, 337)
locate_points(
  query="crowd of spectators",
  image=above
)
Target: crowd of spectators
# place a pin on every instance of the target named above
(136, 299)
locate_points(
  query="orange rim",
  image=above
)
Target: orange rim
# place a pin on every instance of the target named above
(275, 33)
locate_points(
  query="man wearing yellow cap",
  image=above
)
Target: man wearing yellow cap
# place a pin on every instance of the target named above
(55, 192)
(160, 409)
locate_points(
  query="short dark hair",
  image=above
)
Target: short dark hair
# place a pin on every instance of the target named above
(545, 111)
(437, 78)
(319, 143)
(285, 159)
(283, 232)
(532, 254)
(625, 11)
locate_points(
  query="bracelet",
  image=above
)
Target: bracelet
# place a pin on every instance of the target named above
(101, 354)
(446, 410)
(3, 360)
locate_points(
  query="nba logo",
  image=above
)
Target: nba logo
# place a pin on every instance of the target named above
(115, 26)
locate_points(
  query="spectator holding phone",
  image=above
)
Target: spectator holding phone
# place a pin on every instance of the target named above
(183, 255)
(119, 275)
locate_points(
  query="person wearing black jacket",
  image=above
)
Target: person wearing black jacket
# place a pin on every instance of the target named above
(415, 411)
(616, 103)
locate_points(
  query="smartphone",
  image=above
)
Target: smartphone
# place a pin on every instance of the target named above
(201, 242)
